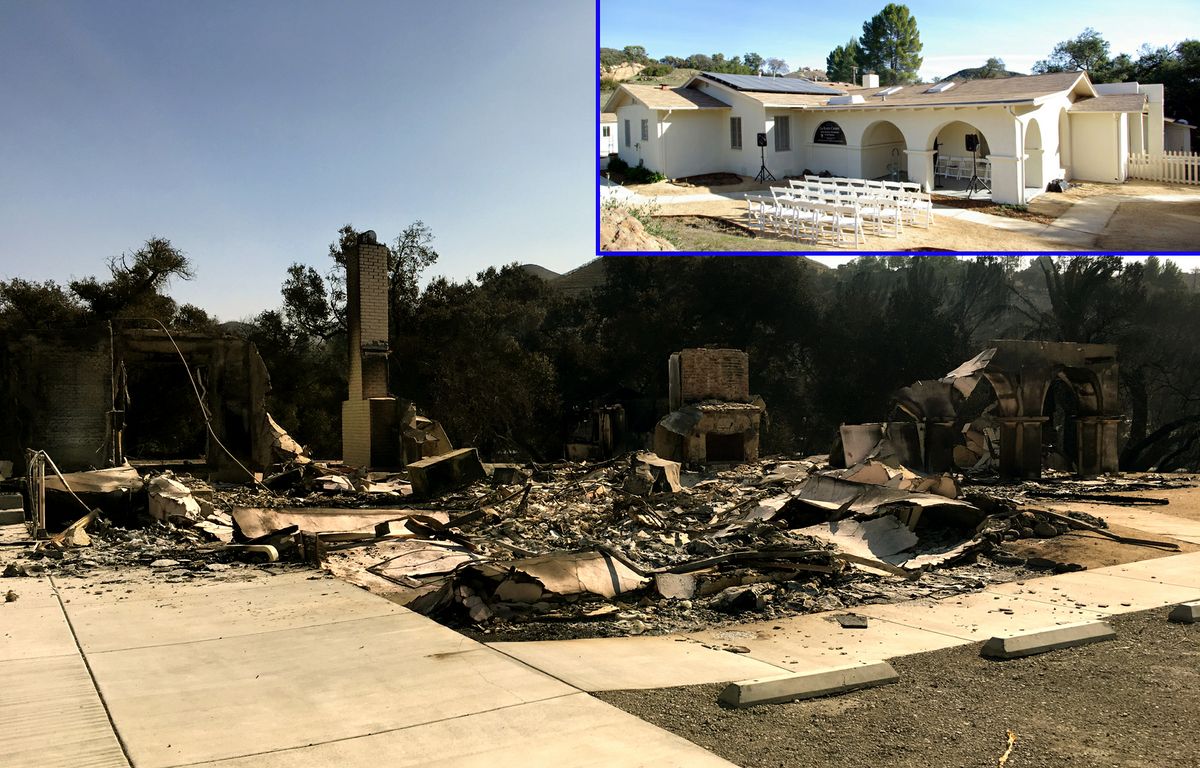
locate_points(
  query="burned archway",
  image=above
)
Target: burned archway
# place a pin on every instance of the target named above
(1060, 430)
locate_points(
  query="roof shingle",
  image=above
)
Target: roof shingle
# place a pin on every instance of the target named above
(656, 97)
(1112, 102)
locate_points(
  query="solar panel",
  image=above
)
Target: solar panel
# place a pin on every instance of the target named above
(771, 84)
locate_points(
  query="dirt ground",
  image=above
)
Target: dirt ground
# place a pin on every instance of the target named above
(1153, 226)
(1130, 702)
(945, 234)
(1145, 225)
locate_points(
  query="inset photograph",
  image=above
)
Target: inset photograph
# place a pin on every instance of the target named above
(895, 132)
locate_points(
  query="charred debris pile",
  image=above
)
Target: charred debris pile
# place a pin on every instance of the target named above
(630, 545)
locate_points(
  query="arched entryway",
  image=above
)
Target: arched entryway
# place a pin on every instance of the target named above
(1060, 444)
(1034, 160)
(962, 151)
(883, 155)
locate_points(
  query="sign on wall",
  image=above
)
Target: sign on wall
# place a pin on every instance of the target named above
(829, 132)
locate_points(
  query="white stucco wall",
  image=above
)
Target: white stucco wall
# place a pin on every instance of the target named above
(1097, 143)
(789, 162)
(687, 142)
(638, 150)
(745, 161)
(1156, 96)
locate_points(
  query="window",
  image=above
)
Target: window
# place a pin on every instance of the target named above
(735, 133)
(604, 131)
(645, 130)
(628, 134)
(783, 134)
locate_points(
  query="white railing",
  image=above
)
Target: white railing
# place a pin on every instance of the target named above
(1171, 167)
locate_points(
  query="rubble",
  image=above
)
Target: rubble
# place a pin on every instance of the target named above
(637, 544)
(437, 475)
(172, 501)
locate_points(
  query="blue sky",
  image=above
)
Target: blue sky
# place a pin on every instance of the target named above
(955, 34)
(248, 132)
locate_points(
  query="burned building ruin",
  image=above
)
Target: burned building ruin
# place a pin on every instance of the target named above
(1020, 406)
(713, 416)
(97, 396)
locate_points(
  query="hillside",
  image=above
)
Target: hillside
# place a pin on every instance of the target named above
(591, 274)
(808, 73)
(675, 77)
(976, 73)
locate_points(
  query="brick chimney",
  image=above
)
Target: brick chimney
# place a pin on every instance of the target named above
(369, 437)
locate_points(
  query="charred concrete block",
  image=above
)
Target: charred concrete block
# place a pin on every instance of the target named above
(1186, 613)
(442, 474)
(508, 474)
(12, 509)
(675, 586)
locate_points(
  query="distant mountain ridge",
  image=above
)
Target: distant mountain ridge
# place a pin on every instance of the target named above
(976, 73)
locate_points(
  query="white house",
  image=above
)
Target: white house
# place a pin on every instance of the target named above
(1030, 129)
(1179, 136)
(608, 136)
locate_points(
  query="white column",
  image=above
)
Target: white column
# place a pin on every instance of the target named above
(1008, 179)
(920, 167)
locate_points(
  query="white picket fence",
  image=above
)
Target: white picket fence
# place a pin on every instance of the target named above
(1171, 167)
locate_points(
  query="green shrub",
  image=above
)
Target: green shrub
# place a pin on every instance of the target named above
(642, 175)
(617, 165)
(656, 69)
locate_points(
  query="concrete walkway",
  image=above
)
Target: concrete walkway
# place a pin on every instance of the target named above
(816, 642)
(281, 670)
(266, 668)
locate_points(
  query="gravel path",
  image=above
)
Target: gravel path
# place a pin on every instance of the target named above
(1134, 701)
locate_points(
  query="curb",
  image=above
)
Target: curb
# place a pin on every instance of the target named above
(1041, 641)
(782, 688)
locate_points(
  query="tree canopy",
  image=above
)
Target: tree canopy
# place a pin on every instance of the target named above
(891, 45)
(1176, 66)
(1087, 52)
(841, 66)
(777, 66)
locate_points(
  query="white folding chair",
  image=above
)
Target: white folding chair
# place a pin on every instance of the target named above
(882, 214)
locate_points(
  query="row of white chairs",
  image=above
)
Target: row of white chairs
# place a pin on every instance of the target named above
(809, 220)
(915, 205)
(962, 167)
(878, 212)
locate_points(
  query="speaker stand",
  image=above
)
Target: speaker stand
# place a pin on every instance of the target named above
(976, 184)
(763, 174)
